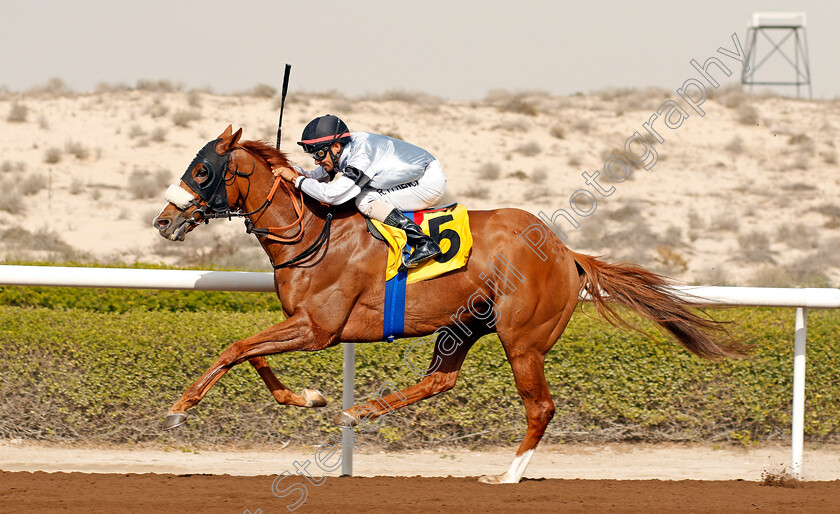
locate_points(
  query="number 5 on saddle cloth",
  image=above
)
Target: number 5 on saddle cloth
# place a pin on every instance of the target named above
(450, 227)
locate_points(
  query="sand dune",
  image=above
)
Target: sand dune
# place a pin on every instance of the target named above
(748, 194)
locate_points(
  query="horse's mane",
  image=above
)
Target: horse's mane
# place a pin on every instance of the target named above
(274, 157)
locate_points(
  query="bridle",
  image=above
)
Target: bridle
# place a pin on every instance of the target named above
(213, 202)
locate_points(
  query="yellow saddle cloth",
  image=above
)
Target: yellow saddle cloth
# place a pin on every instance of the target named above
(449, 227)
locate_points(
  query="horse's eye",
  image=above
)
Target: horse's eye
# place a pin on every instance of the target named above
(201, 172)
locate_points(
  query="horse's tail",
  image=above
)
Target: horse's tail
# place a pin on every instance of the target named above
(649, 295)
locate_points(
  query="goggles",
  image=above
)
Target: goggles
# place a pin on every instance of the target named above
(318, 154)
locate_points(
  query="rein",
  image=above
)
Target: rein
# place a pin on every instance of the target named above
(270, 233)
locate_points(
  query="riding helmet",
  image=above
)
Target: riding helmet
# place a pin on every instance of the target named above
(324, 131)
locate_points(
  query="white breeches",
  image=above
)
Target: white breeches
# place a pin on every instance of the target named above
(423, 193)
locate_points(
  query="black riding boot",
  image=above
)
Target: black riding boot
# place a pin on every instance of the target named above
(424, 246)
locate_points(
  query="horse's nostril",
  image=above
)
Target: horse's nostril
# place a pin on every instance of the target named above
(161, 224)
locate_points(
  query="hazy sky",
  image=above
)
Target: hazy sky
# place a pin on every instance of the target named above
(455, 49)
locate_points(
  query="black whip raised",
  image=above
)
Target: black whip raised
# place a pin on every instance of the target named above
(283, 102)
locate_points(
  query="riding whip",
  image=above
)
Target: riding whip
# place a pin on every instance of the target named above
(283, 102)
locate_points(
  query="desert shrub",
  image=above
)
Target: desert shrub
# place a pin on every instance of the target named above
(747, 115)
(798, 236)
(52, 155)
(476, 191)
(730, 95)
(194, 98)
(108, 87)
(619, 152)
(832, 210)
(627, 212)
(726, 222)
(798, 187)
(582, 126)
(158, 135)
(558, 131)
(513, 125)
(539, 175)
(755, 247)
(8, 166)
(803, 141)
(183, 118)
(529, 149)
(714, 276)
(10, 198)
(413, 97)
(143, 184)
(519, 105)
(695, 221)
(77, 149)
(54, 87)
(17, 113)
(489, 171)
(32, 184)
(43, 243)
(158, 109)
(614, 93)
(673, 236)
(136, 131)
(735, 146)
(538, 193)
(789, 276)
(800, 161)
(76, 187)
(157, 86)
(671, 259)
(263, 91)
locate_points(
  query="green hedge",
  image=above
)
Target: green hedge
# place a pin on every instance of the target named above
(97, 365)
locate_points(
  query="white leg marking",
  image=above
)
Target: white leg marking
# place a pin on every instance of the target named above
(514, 474)
(517, 468)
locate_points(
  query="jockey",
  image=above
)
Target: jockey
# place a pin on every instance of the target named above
(383, 174)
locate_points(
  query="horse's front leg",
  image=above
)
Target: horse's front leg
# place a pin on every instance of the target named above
(298, 332)
(281, 393)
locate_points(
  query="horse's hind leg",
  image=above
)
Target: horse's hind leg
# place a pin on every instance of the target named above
(530, 380)
(440, 377)
(281, 393)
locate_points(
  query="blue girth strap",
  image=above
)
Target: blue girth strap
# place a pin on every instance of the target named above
(394, 322)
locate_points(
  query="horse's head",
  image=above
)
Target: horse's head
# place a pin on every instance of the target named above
(202, 192)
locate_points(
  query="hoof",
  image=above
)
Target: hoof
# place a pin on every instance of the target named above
(344, 420)
(314, 398)
(173, 420)
(494, 479)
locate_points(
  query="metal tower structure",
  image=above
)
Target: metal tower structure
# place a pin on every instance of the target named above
(777, 28)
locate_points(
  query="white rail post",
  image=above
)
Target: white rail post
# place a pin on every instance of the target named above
(347, 401)
(797, 431)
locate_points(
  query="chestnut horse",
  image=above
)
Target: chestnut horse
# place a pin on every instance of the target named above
(521, 282)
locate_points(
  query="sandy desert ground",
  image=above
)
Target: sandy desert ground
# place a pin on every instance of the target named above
(748, 194)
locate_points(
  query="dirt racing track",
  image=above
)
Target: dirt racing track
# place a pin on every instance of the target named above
(116, 493)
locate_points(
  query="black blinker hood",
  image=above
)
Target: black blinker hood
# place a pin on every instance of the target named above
(213, 190)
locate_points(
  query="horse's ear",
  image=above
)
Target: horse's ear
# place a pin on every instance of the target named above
(228, 140)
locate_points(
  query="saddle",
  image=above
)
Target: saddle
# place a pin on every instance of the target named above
(449, 226)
